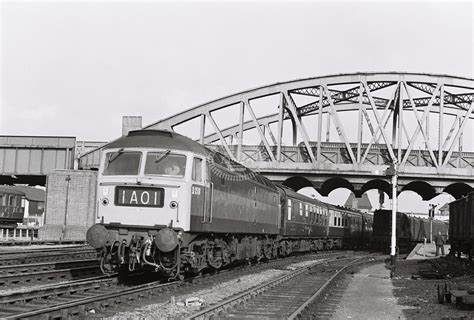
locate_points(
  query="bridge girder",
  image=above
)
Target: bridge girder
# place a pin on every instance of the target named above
(415, 119)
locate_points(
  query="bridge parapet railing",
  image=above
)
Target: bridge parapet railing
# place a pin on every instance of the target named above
(337, 153)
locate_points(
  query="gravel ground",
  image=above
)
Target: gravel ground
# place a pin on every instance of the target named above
(420, 295)
(166, 310)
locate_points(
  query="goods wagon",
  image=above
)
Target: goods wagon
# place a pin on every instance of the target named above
(409, 230)
(461, 225)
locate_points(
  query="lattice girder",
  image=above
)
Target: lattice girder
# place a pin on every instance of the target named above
(397, 112)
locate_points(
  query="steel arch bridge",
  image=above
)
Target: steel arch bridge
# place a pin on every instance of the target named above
(344, 130)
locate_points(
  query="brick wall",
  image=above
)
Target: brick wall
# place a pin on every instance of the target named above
(69, 218)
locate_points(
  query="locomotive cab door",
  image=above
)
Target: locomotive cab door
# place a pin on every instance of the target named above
(200, 190)
(208, 191)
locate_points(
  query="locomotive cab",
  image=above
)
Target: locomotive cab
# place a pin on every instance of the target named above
(147, 186)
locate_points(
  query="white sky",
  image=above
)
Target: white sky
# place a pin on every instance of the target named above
(75, 68)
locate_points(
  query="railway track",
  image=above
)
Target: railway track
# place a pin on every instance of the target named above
(47, 272)
(78, 298)
(285, 297)
(46, 255)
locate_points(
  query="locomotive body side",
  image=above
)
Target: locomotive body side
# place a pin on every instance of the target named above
(237, 205)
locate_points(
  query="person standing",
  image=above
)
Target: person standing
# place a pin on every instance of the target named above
(439, 242)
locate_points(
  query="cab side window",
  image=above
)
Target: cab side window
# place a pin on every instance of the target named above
(197, 170)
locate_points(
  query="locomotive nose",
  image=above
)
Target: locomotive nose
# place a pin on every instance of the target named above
(166, 240)
(97, 236)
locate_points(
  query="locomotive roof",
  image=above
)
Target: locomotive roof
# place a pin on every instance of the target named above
(158, 139)
(165, 139)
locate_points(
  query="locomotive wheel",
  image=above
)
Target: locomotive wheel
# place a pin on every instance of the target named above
(268, 252)
(214, 258)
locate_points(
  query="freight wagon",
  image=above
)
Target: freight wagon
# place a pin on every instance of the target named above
(461, 225)
(410, 230)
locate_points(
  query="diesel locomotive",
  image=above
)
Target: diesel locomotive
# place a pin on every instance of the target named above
(168, 204)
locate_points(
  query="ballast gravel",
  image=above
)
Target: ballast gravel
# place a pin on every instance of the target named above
(210, 296)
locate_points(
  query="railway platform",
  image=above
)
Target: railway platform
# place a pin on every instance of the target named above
(369, 296)
(426, 251)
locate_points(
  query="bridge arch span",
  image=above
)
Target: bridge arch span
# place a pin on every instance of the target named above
(378, 184)
(422, 188)
(297, 182)
(457, 190)
(333, 184)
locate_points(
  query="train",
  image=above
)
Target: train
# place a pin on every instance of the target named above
(461, 226)
(12, 208)
(171, 205)
(409, 231)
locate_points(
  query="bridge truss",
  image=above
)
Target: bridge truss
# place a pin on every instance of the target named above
(349, 125)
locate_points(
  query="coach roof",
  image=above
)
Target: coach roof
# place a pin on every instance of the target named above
(157, 139)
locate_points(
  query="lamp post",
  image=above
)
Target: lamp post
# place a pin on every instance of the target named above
(392, 172)
(68, 179)
(431, 214)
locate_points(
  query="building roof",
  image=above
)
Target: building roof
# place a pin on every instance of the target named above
(363, 202)
(31, 193)
(10, 189)
(445, 207)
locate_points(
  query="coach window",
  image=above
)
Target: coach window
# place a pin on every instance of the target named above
(289, 209)
(197, 170)
(301, 208)
(12, 201)
(306, 209)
